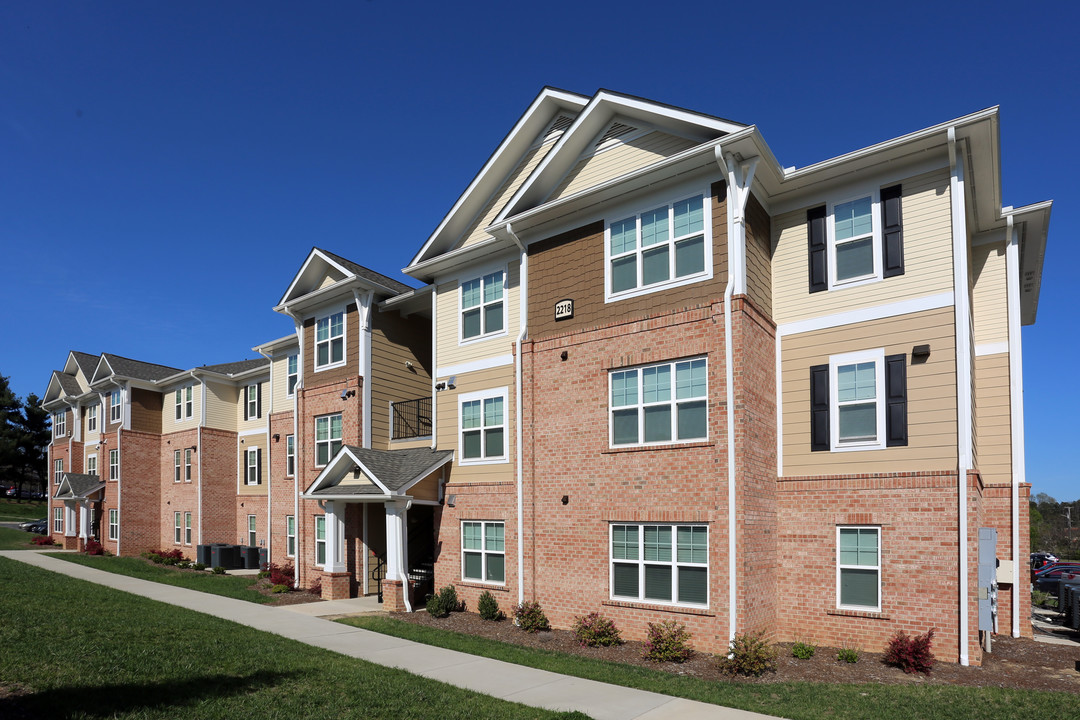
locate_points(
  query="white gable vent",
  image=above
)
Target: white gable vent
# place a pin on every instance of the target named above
(556, 129)
(614, 132)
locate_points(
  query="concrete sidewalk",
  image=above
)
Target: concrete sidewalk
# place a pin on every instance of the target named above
(507, 681)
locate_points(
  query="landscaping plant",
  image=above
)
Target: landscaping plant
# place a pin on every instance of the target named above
(444, 602)
(668, 641)
(42, 540)
(848, 654)
(530, 617)
(803, 650)
(911, 654)
(750, 654)
(595, 630)
(93, 547)
(488, 607)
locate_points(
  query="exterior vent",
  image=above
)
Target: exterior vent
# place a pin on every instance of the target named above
(615, 130)
(556, 129)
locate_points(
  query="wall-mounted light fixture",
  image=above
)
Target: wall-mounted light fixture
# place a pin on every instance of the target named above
(194, 448)
(346, 394)
(450, 500)
(920, 351)
(564, 355)
(452, 382)
(565, 499)
(277, 437)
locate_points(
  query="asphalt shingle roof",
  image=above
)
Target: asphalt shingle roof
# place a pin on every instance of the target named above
(393, 468)
(81, 485)
(86, 362)
(139, 370)
(68, 383)
(368, 274)
(235, 368)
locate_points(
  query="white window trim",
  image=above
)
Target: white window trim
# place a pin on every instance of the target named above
(315, 530)
(874, 192)
(252, 531)
(641, 563)
(636, 210)
(835, 361)
(641, 404)
(290, 375)
(482, 395)
(91, 464)
(187, 528)
(114, 524)
(91, 418)
(58, 470)
(250, 403)
(484, 552)
(462, 340)
(114, 455)
(290, 455)
(60, 424)
(329, 440)
(187, 464)
(249, 455)
(344, 340)
(863, 608)
(58, 520)
(178, 471)
(178, 528)
(116, 406)
(183, 407)
(290, 536)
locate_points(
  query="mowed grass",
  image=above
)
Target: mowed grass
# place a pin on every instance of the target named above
(12, 510)
(239, 587)
(798, 701)
(16, 539)
(79, 650)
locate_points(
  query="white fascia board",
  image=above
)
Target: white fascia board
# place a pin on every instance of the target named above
(414, 301)
(1035, 222)
(296, 278)
(275, 346)
(539, 113)
(97, 370)
(442, 264)
(331, 294)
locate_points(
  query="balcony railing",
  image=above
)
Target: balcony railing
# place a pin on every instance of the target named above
(410, 418)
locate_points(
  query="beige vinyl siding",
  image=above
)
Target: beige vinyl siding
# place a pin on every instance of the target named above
(994, 417)
(990, 307)
(927, 257)
(396, 341)
(245, 443)
(450, 350)
(528, 163)
(168, 412)
(931, 393)
(332, 276)
(95, 436)
(282, 402)
(253, 423)
(447, 419)
(623, 158)
(221, 405)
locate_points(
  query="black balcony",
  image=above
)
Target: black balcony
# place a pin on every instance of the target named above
(410, 418)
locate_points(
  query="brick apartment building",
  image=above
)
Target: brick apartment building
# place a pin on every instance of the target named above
(651, 372)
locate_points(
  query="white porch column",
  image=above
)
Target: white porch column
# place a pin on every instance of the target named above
(335, 537)
(69, 518)
(395, 540)
(84, 520)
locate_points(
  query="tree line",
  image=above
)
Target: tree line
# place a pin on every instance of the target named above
(24, 438)
(1055, 526)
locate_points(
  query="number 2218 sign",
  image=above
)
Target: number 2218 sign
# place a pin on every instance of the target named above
(564, 309)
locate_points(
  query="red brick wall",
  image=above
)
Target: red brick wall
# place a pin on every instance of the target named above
(218, 454)
(180, 496)
(282, 487)
(140, 488)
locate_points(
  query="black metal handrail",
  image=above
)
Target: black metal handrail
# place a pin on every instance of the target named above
(411, 418)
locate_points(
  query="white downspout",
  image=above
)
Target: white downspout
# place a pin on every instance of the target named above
(434, 362)
(1016, 405)
(963, 379)
(199, 453)
(366, 310)
(523, 322)
(296, 440)
(119, 480)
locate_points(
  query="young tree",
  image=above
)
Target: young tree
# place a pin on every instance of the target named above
(35, 441)
(10, 430)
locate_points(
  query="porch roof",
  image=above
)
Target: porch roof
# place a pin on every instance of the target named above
(77, 486)
(366, 474)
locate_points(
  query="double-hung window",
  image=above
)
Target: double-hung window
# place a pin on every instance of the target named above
(660, 403)
(483, 310)
(114, 464)
(253, 465)
(327, 438)
(330, 341)
(176, 466)
(58, 470)
(252, 533)
(187, 464)
(60, 424)
(177, 528)
(483, 553)
(187, 528)
(91, 418)
(252, 402)
(183, 403)
(856, 239)
(114, 524)
(91, 465)
(292, 375)
(114, 406)
(58, 520)
(859, 402)
(852, 246)
(666, 564)
(858, 568)
(290, 455)
(320, 540)
(483, 427)
(663, 246)
(290, 535)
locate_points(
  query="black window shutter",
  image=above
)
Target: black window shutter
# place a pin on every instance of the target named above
(258, 466)
(818, 249)
(892, 232)
(258, 401)
(819, 407)
(896, 401)
(244, 392)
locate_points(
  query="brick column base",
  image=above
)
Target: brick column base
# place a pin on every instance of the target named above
(393, 597)
(336, 586)
(71, 543)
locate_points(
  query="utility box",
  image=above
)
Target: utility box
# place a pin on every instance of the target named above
(988, 571)
(1006, 572)
(202, 555)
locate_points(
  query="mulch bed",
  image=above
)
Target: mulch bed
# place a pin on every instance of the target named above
(1017, 663)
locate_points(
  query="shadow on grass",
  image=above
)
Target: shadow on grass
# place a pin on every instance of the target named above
(120, 700)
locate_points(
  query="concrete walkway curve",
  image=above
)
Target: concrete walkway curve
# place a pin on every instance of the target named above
(538, 688)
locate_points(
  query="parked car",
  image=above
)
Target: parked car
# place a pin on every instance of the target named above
(41, 527)
(1047, 579)
(1041, 559)
(26, 525)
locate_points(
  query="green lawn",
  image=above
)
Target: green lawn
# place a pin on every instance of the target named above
(19, 510)
(233, 586)
(16, 539)
(798, 701)
(87, 651)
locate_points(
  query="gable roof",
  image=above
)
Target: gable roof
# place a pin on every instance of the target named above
(388, 472)
(80, 361)
(77, 486)
(135, 369)
(319, 263)
(235, 368)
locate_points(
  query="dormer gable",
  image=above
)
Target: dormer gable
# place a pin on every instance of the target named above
(325, 276)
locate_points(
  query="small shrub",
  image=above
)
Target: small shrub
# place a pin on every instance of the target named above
(198, 566)
(911, 654)
(155, 558)
(280, 574)
(595, 630)
(93, 547)
(667, 641)
(848, 654)
(279, 589)
(316, 587)
(530, 617)
(749, 655)
(170, 561)
(183, 564)
(488, 607)
(219, 570)
(803, 650)
(263, 574)
(42, 540)
(444, 602)
(1038, 597)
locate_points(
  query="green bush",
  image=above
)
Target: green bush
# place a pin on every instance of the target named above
(530, 617)
(280, 589)
(848, 654)
(155, 558)
(219, 570)
(668, 641)
(749, 655)
(263, 574)
(488, 607)
(183, 564)
(444, 602)
(803, 650)
(198, 566)
(595, 630)
(1043, 599)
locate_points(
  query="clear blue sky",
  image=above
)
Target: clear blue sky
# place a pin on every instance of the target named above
(165, 167)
